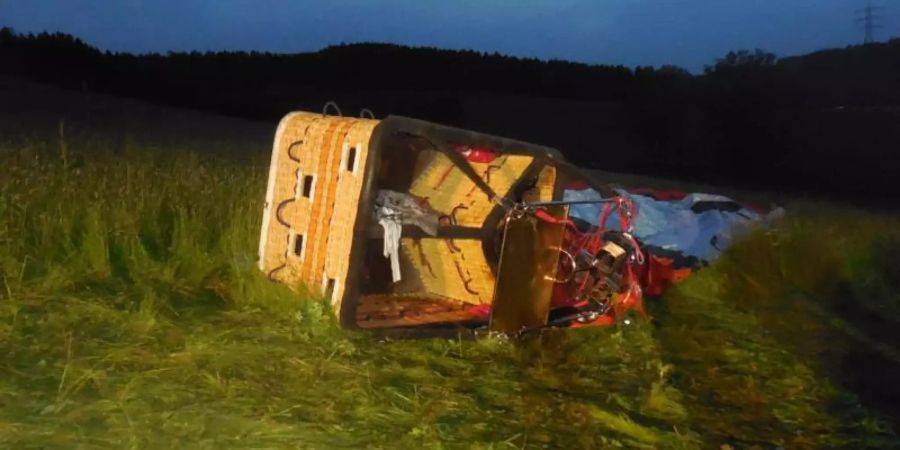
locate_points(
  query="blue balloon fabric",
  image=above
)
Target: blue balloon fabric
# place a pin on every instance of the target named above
(683, 226)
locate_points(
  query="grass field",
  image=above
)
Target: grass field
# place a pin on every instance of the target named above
(132, 316)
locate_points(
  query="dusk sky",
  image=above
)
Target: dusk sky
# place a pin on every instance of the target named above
(688, 33)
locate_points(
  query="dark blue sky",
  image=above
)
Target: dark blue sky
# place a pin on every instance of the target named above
(688, 33)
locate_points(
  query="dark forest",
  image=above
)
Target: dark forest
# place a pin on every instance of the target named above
(822, 124)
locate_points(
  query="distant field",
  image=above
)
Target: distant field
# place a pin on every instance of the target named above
(132, 316)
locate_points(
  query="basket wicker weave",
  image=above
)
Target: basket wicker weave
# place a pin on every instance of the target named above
(314, 238)
(451, 192)
(307, 222)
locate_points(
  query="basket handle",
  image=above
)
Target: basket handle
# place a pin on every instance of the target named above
(366, 112)
(336, 108)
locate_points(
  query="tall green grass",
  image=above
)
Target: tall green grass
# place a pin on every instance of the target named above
(132, 316)
(762, 338)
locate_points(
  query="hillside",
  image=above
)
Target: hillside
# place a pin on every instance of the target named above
(822, 124)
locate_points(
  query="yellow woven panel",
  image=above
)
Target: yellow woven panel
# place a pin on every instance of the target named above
(543, 190)
(449, 191)
(451, 268)
(281, 202)
(324, 219)
(546, 183)
(349, 187)
(321, 206)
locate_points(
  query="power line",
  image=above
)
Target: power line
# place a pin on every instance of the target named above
(869, 18)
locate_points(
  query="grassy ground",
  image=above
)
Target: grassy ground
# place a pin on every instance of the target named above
(132, 316)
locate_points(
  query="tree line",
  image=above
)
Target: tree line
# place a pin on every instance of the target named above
(815, 122)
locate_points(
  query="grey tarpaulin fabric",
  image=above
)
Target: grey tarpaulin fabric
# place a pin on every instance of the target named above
(678, 225)
(392, 211)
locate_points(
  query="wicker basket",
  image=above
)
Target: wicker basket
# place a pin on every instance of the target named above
(318, 236)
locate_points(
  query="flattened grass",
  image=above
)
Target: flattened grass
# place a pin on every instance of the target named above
(132, 316)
